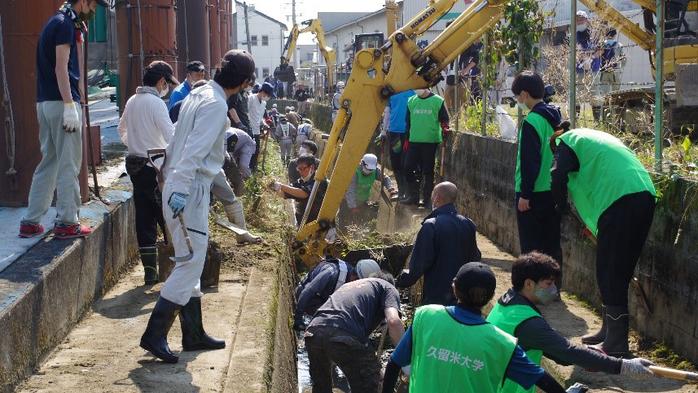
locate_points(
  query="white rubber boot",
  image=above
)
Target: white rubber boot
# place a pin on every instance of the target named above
(236, 216)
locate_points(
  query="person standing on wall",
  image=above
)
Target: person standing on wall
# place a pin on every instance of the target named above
(538, 221)
(194, 157)
(58, 98)
(615, 199)
(256, 106)
(145, 124)
(195, 72)
(427, 124)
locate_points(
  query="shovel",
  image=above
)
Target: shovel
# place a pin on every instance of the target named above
(672, 373)
(186, 238)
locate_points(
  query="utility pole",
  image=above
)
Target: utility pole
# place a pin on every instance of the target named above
(247, 28)
(296, 60)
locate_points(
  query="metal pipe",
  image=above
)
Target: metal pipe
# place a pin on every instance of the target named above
(247, 29)
(659, 87)
(573, 64)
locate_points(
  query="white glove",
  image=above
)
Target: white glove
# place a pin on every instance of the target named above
(71, 117)
(637, 367)
(276, 186)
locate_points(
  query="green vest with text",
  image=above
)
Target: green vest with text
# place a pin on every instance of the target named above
(424, 119)
(544, 131)
(452, 357)
(608, 170)
(364, 184)
(508, 318)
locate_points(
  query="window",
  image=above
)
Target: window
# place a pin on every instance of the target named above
(265, 72)
(265, 40)
(253, 40)
(309, 56)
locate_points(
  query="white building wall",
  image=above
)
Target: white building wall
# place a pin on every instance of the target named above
(266, 57)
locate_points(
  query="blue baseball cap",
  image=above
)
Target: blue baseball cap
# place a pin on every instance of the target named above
(268, 88)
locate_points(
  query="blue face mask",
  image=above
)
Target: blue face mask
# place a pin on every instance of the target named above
(546, 295)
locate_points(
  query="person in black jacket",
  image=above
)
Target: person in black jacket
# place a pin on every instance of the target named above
(538, 221)
(445, 242)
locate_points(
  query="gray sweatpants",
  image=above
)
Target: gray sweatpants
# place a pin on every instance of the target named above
(61, 157)
(286, 147)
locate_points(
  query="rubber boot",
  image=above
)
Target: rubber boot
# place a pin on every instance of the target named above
(154, 338)
(149, 258)
(194, 337)
(236, 216)
(598, 337)
(411, 196)
(617, 325)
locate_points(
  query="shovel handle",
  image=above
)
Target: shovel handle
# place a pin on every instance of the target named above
(672, 373)
(186, 234)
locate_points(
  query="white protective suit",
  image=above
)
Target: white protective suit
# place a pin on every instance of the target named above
(194, 157)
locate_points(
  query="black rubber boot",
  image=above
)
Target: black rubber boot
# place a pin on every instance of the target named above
(194, 337)
(598, 337)
(149, 258)
(154, 339)
(617, 325)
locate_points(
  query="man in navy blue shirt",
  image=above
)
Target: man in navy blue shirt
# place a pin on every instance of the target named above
(473, 286)
(60, 125)
(445, 242)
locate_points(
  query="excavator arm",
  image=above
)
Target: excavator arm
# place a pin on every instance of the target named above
(315, 26)
(290, 46)
(372, 81)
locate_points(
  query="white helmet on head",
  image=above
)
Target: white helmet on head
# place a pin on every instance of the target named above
(340, 85)
(366, 267)
(369, 161)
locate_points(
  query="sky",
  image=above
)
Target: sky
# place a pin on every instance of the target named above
(308, 9)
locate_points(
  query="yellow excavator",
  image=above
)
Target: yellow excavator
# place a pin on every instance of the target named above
(314, 26)
(377, 74)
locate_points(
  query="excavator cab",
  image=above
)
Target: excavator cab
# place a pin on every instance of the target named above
(368, 41)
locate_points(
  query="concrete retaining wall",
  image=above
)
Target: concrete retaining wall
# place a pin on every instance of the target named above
(45, 292)
(483, 168)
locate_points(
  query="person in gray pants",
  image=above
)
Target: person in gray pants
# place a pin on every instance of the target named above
(285, 134)
(60, 125)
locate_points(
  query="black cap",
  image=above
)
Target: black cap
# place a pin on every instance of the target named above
(162, 70)
(238, 61)
(475, 275)
(268, 88)
(195, 66)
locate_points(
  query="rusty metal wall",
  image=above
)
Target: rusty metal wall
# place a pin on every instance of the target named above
(215, 33)
(224, 11)
(193, 34)
(22, 22)
(147, 32)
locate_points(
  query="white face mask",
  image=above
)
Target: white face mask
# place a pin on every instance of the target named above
(522, 106)
(164, 91)
(264, 99)
(310, 176)
(581, 27)
(366, 171)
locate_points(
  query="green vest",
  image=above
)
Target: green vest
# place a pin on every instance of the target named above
(608, 170)
(450, 357)
(508, 318)
(544, 131)
(364, 184)
(424, 119)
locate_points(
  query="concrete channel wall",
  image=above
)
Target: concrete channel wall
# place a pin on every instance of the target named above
(483, 168)
(46, 291)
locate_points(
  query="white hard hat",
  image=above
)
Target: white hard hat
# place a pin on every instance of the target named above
(370, 161)
(340, 84)
(582, 14)
(366, 267)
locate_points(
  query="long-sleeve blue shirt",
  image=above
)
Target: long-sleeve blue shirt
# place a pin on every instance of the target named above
(520, 369)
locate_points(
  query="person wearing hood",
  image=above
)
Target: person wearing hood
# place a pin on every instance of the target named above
(533, 279)
(145, 124)
(321, 282)
(538, 221)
